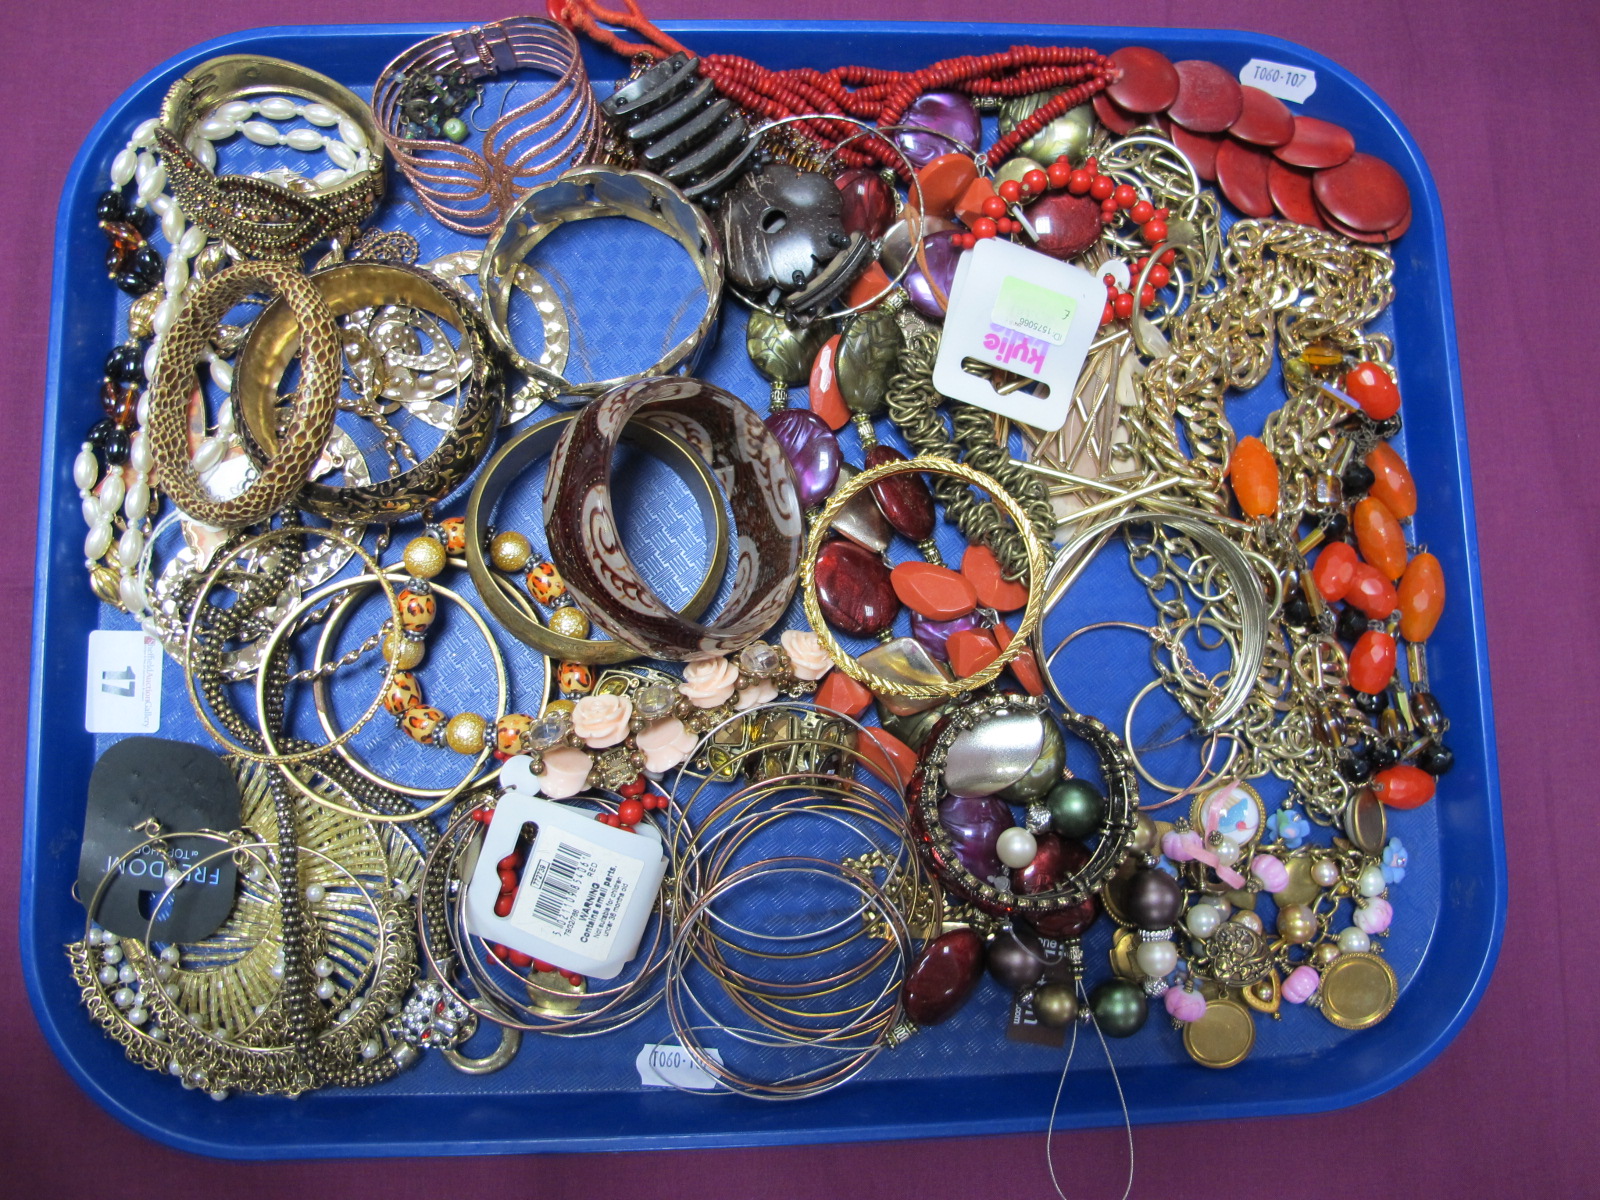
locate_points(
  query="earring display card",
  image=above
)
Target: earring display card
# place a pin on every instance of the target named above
(964, 1077)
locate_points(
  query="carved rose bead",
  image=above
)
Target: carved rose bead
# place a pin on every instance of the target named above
(807, 658)
(664, 744)
(602, 721)
(565, 774)
(708, 682)
(762, 691)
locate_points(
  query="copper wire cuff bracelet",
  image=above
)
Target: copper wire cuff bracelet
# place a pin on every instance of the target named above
(257, 217)
(516, 457)
(346, 288)
(472, 192)
(580, 195)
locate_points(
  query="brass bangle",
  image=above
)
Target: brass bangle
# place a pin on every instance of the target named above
(527, 448)
(272, 755)
(580, 195)
(284, 473)
(319, 690)
(257, 217)
(345, 288)
(973, 478)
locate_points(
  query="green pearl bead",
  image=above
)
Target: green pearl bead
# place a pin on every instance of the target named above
(1119, 1008)
(1046, 769)
(455, 129)
(1076, 808)
(1055, 1005)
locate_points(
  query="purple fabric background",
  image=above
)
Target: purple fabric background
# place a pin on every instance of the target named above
(1508, 1109)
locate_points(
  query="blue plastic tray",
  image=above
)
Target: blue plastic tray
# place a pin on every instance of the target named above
(960, 1079)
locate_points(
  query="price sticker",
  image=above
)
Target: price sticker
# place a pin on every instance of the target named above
(673, 1066)
(123, 690)
(1278, 79)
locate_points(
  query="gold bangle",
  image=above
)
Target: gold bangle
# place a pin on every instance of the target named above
(255, 216)
(510, 461)
(210, 581)
(973, 478)
(346, 288)
(284, 473)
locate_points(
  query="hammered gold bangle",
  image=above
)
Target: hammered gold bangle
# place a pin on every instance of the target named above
(933, 465)
(315, 406)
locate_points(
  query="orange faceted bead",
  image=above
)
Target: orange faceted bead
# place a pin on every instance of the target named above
(1024, 667)
(1382, 541)
(872, 282)
(827, 401)
(970, 651)
(1254, 473)
(1404, 786)
(1335, 570)
(994, 590)
(1372, 662)
(841, 694)
(1391, 481)
(887, 757)
(938, 593)
(1370, 592)
(1369, 385)
(943, 181)
(969, 205)
(1421, 598)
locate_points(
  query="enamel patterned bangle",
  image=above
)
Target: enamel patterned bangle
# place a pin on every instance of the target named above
(586, 546)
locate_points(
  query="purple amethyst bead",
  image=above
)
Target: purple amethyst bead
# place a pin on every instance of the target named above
(811, 449)
(948, 113)
(935, 635)
(940, 253)
(975, 824)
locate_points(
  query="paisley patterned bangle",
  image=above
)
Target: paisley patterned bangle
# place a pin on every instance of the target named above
(256, 216)
(579, 195)
(527, 448)
(311, 422)
(756, 477)
(347, 288)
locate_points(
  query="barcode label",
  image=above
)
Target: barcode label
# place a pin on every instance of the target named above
(574, 893)
(558, 890)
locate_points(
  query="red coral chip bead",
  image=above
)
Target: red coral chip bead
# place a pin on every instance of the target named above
(942, 181)
(1200, 149)
(1118, 120)
(1264, 120)
(1242, 176)
(1404, 786)
(1209, 99)
(519, 960)
(1316, 144)
(1291, 194)
(994, 590)
(1363, 192)
(631, 811)
(841, 694)
(1149, 81)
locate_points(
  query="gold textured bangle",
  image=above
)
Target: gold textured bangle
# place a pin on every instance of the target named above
(933, 465)
(521, 452)
(315, 406)
(255, 216)
(348, 287)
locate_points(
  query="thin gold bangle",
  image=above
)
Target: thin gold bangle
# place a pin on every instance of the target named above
(936, 466)
(272, 756)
